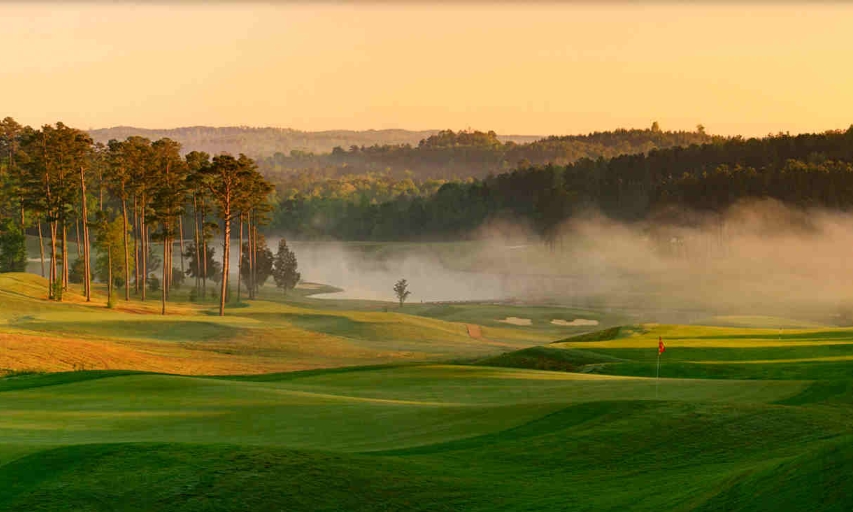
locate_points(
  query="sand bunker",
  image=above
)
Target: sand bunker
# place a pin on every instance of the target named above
(574, 323)
(514, 320)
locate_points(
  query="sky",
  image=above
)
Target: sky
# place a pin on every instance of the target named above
(512, 67)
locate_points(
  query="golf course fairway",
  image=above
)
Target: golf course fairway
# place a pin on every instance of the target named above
(396, 411)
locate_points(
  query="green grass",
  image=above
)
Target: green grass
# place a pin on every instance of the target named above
(419, 438)
(544, 358)
(743, 418)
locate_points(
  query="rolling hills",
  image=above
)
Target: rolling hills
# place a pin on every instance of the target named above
(743, 418)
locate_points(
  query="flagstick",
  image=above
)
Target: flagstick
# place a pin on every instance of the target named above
(657, 378)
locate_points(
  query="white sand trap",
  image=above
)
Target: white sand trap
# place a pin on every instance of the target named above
(577, 322)
(514, 320)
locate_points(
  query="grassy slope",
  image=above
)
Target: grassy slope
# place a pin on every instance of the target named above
(260, 336)
(410, 437)
(416, 436)
(711, 352)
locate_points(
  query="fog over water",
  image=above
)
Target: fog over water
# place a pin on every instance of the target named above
(757, 258)
(362, 274)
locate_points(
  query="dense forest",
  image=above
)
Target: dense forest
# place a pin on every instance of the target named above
(804, 170)
(445, 187)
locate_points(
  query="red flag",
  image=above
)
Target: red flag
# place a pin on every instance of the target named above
(661, 346)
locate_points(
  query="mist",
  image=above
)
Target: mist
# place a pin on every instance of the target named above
(757, 258)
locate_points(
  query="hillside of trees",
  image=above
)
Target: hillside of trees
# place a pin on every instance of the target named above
(445, 187)
(466, 154)
(421, 154)
(261, 142)
(803, 170)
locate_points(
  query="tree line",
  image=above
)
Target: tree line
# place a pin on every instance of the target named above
(806, 170)
(465, 154)
(129, 194)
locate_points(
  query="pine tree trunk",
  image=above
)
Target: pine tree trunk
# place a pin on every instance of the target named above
(64, 256)
(181, 234)
(226, 249)
(87, 285)
(41, 247)
(240, 260)
(144, 243)
(197, 248)
(165, 274)
(169, 249)
(255, 285)
(109, 275)
(52, 280)
(126, 250)
(135, 246)
(203, 258)
(251, 253)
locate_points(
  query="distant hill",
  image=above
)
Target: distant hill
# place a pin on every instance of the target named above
(263, 142)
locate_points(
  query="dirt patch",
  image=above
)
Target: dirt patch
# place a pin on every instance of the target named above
(577, 322)
(475, 331)
(514, 320)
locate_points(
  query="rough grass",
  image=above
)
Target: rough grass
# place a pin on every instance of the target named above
(259, 337)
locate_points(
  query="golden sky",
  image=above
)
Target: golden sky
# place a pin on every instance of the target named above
(549, 68)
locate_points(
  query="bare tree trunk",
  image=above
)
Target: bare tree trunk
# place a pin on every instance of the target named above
(240, 260)
(251, 254)
(203, 259)
(109, 275)
(126, 250)
(255, 285)
(23, 221)
(226, 249)
(165, 274)
(144, 243)
(135, 246)
(41, 247)
(52, 279)
(169, 249)
(181, 234)
(64, 256)
(197, 248)
(87, 285)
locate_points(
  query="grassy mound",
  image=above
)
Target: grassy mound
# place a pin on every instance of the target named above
(544, 358)
(603, 335)
(815, 481)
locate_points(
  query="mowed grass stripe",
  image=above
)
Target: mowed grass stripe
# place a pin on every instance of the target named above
(354, 411)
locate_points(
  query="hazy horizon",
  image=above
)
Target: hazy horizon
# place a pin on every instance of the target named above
(541, 69)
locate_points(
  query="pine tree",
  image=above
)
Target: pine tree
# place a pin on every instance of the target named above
(284, 267)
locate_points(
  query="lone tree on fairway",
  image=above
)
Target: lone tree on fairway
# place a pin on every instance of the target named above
(284, 267)
(401, 289)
